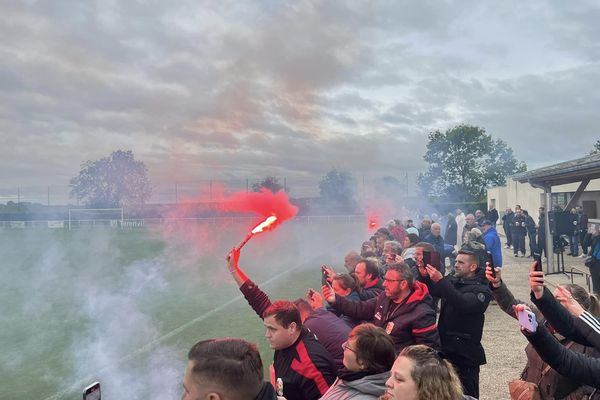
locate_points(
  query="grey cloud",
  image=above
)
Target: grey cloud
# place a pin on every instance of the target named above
(238, 89)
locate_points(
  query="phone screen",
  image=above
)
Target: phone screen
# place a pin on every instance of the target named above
(426, 258)
(538, 261)
(92, 392)
(324, 277)
(490, 260)
(435, 260)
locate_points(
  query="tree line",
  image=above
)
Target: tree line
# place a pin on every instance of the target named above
(462, 163)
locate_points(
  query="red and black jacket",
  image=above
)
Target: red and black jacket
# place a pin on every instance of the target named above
(410, 322)
(306, 367)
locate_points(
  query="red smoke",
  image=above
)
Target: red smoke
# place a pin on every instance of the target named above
(264, 203)
(207, 220)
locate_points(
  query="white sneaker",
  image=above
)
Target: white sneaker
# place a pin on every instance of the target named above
(582, 255)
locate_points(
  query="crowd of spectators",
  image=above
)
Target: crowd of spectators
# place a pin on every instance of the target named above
(404, 320)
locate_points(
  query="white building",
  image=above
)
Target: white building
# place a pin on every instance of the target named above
(564, 185)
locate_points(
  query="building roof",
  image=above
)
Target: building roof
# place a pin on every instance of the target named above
(587, 167)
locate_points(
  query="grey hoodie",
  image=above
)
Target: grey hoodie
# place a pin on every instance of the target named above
(368, 388)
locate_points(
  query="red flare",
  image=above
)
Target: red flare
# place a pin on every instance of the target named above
(373, 221)
(275, 207)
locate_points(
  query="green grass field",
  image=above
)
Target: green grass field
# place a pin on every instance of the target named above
(124, 306)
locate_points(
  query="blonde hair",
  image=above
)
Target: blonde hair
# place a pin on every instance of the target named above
(434, 377)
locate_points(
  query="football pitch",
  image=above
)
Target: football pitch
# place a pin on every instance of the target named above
(123, 307)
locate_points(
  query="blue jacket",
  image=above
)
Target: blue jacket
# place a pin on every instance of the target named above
(492, 244)
(437, 242)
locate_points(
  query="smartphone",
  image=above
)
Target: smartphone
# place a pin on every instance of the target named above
(92, 392)
(426, 258)
(435, 260)
(490, 260)
(538, 261)
(324, 281)
(527, 320)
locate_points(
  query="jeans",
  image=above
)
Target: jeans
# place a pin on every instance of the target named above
(574, 245)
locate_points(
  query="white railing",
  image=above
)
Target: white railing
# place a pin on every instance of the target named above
(148, 222)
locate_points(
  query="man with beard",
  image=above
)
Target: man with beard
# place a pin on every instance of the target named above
(367, 275)
(464, 301)
(404, 309)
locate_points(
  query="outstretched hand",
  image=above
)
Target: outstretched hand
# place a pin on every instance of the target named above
(566, 299)
(328, 294)
(494, 281)
(536, 281)
(433, 273)
(314, 299)
(330, 273)
(233, 258)
(527, 319)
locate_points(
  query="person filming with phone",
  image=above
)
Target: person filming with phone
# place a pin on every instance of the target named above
(537, 375)
(462, 315)
(571, 320)
(404, 309)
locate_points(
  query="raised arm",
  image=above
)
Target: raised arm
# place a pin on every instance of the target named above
(257, 299)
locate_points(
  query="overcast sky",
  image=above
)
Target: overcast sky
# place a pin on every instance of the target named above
(229, 90)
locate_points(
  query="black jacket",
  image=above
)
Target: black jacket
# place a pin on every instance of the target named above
(580, 330)
(451, 232)
(410, 322)
(530, 225)
(566, 362)
(372, 291)
(266, 393)
(306, 367)
(552, 384)
(507, 220)
(492, 215)
(462, 316)
(519, 223)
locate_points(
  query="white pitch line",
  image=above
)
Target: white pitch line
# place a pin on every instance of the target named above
(153, 343)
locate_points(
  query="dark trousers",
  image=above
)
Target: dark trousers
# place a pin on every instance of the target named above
(541, 242)
(469, 378)
(533, 248)
(518, 239)
(508, 235)
(574, 245)
(585, 238)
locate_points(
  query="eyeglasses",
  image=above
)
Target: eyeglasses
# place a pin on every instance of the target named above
(345, 346)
